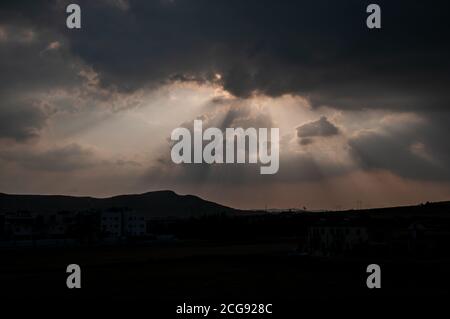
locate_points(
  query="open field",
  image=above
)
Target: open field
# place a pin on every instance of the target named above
(251, 271)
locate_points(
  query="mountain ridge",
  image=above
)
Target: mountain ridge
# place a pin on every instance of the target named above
(157, 203)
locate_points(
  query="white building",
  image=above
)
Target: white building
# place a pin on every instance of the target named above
(128, 223)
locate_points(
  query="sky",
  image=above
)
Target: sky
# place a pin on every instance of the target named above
(363, 114)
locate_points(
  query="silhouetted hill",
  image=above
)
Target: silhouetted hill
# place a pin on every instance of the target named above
(159, 203)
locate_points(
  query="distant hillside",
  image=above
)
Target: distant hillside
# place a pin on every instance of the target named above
(160, 203)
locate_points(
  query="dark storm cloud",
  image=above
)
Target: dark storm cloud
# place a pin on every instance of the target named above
(377, 151)
(415, 151)
(20, 121)
(32, 62)
(64, 159)
(306, 141)
(320, 49)
(320, 128)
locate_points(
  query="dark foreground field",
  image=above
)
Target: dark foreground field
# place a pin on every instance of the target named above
(213, 272)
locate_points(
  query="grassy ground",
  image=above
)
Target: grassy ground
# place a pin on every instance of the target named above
(216, 272)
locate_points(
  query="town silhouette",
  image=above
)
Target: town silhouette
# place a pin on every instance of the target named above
(125, 244)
